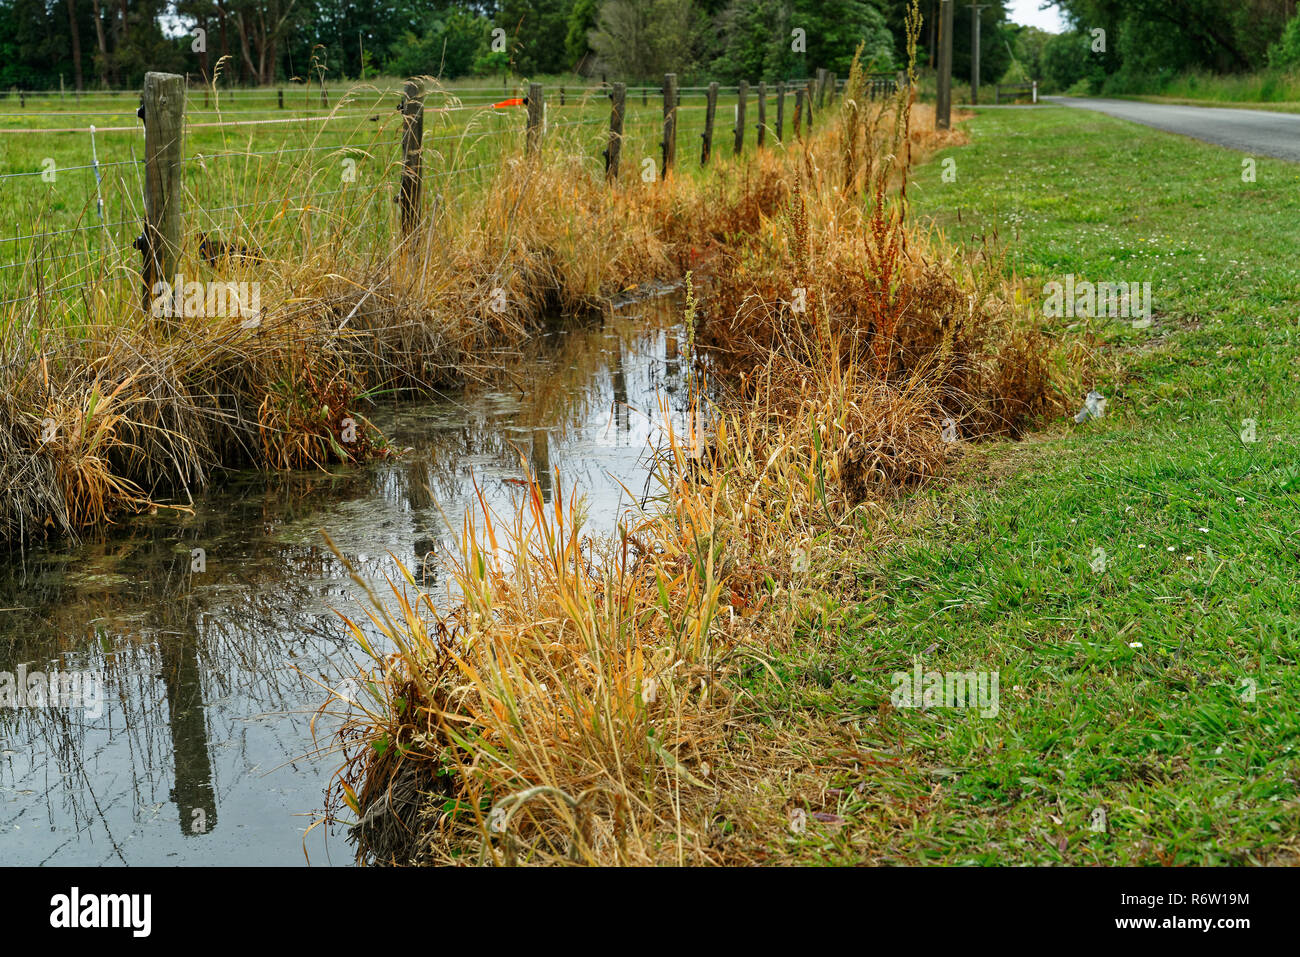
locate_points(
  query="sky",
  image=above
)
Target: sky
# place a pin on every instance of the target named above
(1027, 12)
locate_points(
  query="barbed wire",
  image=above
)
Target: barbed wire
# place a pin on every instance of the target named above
(69, 169)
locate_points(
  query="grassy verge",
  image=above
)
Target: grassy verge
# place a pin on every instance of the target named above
(1272, 106)
(1266, 86)
(1159, 687)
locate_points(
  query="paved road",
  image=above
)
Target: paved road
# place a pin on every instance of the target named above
(1254, 132)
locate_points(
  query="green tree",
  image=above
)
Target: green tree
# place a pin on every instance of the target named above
(1286, 51)
(537, 31)
(582, 19)
(1069, 63)
(644, 39)
(792, 38)
(448, 46)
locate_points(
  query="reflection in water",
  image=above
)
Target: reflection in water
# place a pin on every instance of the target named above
(203, 752)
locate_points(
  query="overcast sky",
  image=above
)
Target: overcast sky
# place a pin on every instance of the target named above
(1028, 13)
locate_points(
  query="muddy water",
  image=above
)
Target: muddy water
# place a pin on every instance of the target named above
(200, 750)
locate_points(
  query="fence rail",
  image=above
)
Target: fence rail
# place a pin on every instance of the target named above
(1015, 91)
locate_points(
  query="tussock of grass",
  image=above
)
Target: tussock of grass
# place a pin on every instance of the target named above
(576, 700)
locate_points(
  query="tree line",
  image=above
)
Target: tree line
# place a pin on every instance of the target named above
(1123, 45)
(87, 44)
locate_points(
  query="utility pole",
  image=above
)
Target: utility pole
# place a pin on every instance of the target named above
(934, 11)
(975, 9)
(943, 99)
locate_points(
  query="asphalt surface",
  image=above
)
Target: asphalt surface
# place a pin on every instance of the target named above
(1254, 132)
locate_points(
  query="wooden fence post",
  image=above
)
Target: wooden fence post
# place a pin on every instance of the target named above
(742, 94)
(670, 122)
(162, 108)
(780, 111)
(412, 139)
(536, 104)
(761, 127)
(618, 98)
(798, 111)
(808, 101)
(279, 95)
(710, 110)
(821, 87)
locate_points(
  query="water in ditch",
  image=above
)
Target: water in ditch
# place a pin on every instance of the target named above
(200, 749)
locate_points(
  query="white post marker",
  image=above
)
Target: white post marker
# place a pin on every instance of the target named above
(1035, 91)
(94, 158)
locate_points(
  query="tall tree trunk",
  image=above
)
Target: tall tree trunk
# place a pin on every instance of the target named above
(103, 47)
(76, 42)
(249, 67)
(203, 56)
(272, 62)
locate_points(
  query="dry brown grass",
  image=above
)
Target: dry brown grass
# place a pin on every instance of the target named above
(340, 322)
(576, 700)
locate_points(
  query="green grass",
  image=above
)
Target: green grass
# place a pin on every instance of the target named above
(1262, 86)
(1291, 106)
(1121, 689)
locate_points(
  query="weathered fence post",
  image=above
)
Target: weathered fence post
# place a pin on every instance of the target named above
(943, 91)
(761, 126)
(618, 100)
(742, 94)
(780, 111)
(670, 122)
(821, 86)
(412, 168)
(279, 96)
(536, 105)
(710, 110)
(798, 112)
(162, 107)
(808, 101)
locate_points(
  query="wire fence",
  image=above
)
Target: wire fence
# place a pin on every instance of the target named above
(251, 178)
